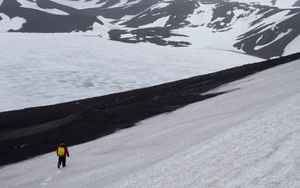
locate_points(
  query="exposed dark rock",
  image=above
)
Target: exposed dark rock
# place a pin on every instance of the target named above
(47, 4)
(9, 4)
(260, 36)
(297, 3)
(156, 35)
(50, 23)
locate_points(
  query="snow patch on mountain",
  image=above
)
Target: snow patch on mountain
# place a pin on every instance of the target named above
(83, 4)
(7, 23)
(163, 4)
(80, 4)
(161, 22)
(33, 5)
(122, 3)
(202, 26)
(278, 3)
(98, 29)
(285, 3)
(293, 47)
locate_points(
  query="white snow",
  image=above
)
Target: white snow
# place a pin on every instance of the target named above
(122, 3)
(82, 4)
(158, 23)
(33, 5)
(42, 69)
(97, 29)
(248, 137)
(285, 3)
(7, 24)
(278, 3)
(162, 4)
(202, 35)
(293, 47)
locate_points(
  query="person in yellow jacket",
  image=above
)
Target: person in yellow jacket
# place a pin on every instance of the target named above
(62, 152)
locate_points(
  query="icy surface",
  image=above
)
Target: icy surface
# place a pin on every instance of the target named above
(42, 69)
(248, 137)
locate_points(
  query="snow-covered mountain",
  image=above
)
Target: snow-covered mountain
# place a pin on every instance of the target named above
(260, 28)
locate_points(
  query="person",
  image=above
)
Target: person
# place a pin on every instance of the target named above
(62, 152)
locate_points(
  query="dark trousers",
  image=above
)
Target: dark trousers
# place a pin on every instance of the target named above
(61, 161)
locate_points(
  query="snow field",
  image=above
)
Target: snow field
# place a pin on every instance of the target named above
(248, 137)
(67, 67)
(261, 149)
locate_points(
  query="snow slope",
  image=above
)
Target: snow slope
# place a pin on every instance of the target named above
(248, 137)
(223, 38)
(42, 69)
(293, 47)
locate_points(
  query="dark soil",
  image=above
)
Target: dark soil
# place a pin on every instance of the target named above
(34, 131)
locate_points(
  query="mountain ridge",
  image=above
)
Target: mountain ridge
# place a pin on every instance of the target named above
(256, 29)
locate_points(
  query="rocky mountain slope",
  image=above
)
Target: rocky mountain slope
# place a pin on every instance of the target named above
(262, 28)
